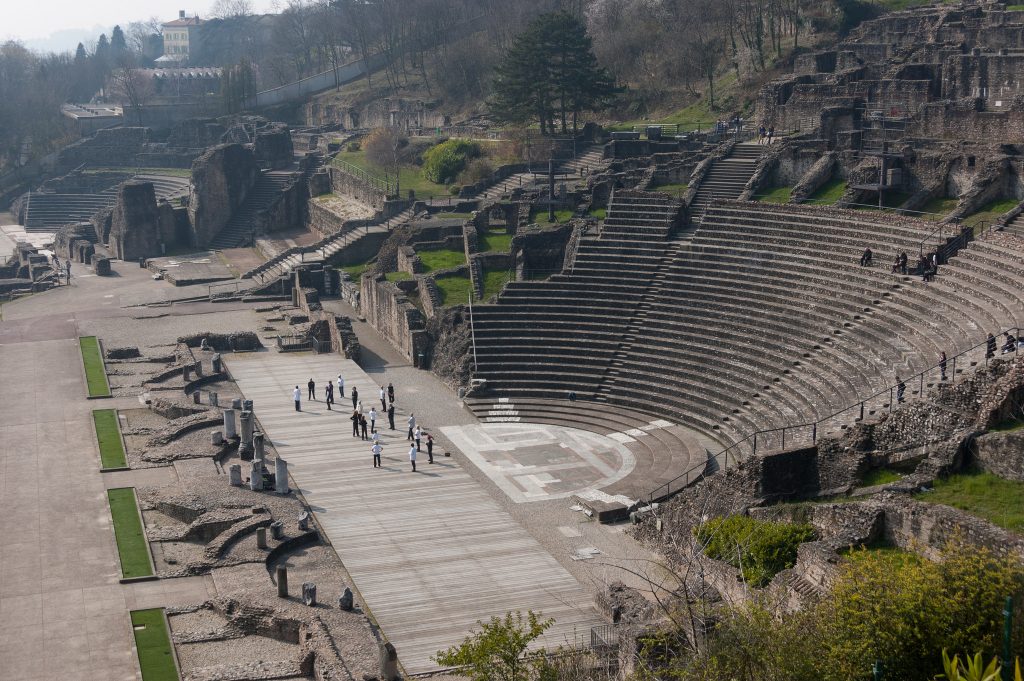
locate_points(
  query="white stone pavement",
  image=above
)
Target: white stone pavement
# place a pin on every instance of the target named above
(431, 552)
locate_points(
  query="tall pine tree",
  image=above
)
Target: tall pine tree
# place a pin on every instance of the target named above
(550, 74)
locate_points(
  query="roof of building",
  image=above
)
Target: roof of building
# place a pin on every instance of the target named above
(182, 23)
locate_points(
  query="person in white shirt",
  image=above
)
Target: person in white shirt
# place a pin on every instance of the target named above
(341, 386)
(416, 436)
(412, 425)
(376, 449)
(412, 457)
(383, 399)
(297, 396)
(373, 419)
(375, 437)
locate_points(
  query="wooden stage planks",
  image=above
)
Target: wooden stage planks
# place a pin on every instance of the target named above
(431, 552)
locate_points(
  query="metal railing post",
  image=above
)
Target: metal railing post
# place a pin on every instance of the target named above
(890, 399)
(862, 411)
(755, 444)
(814, 433)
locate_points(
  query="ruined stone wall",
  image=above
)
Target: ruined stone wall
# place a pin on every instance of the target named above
(1001, 453)
(350, 185)
(287, 212)
(135, 230)
(221, 179)
(273, 146)
(389, 311)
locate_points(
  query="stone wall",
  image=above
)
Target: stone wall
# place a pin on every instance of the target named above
(349, 185)
(1001, 453)
(135, 225)
(273, 146)
(389, 311)
(221, 179)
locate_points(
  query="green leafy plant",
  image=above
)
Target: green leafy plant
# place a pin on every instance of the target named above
(758, 548)
(499, 650)
(444, 162)
(974, 669)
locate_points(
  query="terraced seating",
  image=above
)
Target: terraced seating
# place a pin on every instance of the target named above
(765, 319)
(45, 212)
(239, 229)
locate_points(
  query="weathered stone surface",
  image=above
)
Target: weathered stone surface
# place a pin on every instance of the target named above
(274, 146)
(1001, 454)
(346, 600)
(309, 594)
(124, 352)
(221, 180)
(135, 222)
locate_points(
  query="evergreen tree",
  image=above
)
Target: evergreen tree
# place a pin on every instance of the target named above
(551, 74)
(80, 55)
(118, 45)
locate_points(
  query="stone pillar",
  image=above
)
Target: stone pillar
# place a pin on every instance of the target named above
(309, 593)
(281, 475)
(235, 474)
(198, 368)
(388, 661)
(257, 446)
(247, 405)
(215, 361)
(246, 426)
(186, 373)
(256, 476)
(236, 404)
(229, 424)
(304, 521)
(277, 530)
(346, 601)
(216, 438)
(261, 537)
(196, 397)
(282, 582)
(213, 399)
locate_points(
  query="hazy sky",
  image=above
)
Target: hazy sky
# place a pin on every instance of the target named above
(52, 24)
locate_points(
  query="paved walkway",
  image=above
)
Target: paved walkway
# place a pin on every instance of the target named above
(431, 553)
(63, 612)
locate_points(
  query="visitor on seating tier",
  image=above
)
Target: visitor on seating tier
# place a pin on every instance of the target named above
(1010, 344)
(865, 258)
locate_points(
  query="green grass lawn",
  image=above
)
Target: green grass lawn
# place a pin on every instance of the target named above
(1015, 8)
(896, 557)
(989, 213)
(776, 195)
(879, 476)
(410, 177)
(108, 434)
(890, 201)
(599, 213)
(936, 209)
(441, 259)
(540, 216)
(131, 538)
(828, 193)
(153, 641)
(455, 290)
(985, 495)
(95, 371)
(398, 276)
(673, 188)
(494, 281)
(355, 271)
(497, 242)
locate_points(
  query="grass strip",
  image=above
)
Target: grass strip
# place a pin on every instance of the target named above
(985, 495)
(153, 641)
(95, 371)
(496, 242)
(108, 435)
(132, 547)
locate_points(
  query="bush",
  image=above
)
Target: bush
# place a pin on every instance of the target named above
(758, 548)
(443, 163)
(478, 169)
(353, 147)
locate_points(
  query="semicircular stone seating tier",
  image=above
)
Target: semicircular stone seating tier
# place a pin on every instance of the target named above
(764, 320)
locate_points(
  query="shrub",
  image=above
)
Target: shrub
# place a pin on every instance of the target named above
(444, 162)
(477, 169)
(354, 147)
(760, 549)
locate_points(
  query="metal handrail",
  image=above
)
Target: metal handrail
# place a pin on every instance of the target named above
(860, 404)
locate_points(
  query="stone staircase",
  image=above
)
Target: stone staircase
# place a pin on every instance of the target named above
(1015, 226)
(320, 251)
(590, 158)
(239, 229)
(726, 177)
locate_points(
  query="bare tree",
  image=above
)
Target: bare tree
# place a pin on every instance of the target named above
(229, 9)
(130, 86)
